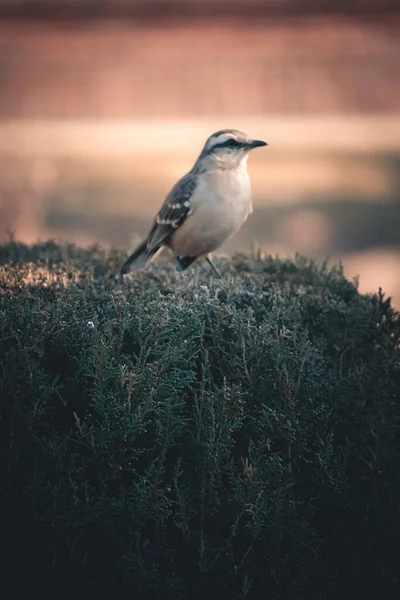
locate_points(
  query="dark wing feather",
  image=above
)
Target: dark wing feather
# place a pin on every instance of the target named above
(174, 212)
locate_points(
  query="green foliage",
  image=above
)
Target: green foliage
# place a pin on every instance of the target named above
(173, 437)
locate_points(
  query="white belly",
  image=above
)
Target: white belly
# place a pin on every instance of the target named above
(220, 205)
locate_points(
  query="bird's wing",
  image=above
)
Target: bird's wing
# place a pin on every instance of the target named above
(174, 212)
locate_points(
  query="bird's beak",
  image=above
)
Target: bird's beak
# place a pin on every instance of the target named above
(257, 143)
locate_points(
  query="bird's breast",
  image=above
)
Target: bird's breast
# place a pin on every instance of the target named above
(228, 195)
(220, 205)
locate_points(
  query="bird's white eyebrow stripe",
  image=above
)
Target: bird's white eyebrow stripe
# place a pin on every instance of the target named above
(224, 137)
(220, 139)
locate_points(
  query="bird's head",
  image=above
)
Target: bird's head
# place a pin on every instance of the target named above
(228, 148)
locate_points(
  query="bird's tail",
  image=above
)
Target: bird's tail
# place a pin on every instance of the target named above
(138, 258)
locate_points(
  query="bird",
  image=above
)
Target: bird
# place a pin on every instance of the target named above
(205, 207)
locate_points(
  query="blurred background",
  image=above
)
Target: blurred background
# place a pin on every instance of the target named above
(104, 104)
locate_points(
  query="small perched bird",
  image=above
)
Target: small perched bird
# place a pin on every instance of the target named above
(206, 207)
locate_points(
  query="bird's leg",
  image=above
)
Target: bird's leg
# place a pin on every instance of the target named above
(214, 268)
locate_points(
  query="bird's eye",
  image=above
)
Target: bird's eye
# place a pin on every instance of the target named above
(232, 143)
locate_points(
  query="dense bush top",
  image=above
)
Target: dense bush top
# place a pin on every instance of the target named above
(181, 437)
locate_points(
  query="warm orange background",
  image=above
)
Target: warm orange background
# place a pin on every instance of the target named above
(99, 117)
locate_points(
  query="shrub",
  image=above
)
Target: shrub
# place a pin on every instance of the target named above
(176, 437)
